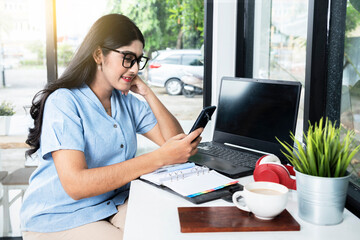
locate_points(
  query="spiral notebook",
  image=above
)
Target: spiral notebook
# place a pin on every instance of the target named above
(189, 180)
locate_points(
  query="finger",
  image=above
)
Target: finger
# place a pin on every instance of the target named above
(193, 152)
(134, 82)
(196, 142)
(134, 89)
(194, 134)
(137, 78)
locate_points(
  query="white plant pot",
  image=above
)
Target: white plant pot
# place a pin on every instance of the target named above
(4, 125)
(321, 199)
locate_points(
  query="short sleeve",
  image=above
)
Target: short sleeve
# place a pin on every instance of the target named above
(62, 126)
(144, 118)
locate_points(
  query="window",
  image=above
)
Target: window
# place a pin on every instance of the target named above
(22, 55)
(192, 60)
(279, 45)
(22, 75)
(168, 24)
(350, 99)
(70, 33)
(172, 59)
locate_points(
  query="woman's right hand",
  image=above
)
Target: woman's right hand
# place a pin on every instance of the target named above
(179, 148)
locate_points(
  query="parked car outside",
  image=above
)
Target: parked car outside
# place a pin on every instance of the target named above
(169, 66)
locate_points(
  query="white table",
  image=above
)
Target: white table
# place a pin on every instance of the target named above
(152, 214)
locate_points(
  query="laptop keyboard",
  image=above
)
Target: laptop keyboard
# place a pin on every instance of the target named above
(237, 158)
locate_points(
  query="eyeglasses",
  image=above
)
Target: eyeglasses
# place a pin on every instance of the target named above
(130, 59)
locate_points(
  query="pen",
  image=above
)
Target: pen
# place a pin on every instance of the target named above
(176, 167)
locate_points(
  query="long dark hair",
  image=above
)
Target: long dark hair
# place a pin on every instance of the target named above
(112, 31)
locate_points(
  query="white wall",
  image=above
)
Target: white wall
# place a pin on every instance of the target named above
(224, 36)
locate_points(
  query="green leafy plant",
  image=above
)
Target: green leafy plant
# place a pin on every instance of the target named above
(324, 153)
(6, 109)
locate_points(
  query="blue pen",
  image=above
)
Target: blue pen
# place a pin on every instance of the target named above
(176, 167)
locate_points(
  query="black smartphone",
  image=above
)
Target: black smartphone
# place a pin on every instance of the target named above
(203, 118)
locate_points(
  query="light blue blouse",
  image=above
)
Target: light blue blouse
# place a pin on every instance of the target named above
(75, 119)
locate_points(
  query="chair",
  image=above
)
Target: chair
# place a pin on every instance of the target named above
(3, 174)
(19, 179)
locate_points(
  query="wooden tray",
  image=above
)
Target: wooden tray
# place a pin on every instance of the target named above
(231, 219)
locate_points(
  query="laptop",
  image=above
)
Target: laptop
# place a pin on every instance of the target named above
(249, 115)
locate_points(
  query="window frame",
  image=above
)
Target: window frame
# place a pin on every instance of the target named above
(51, 40)
(245, 38)
(208, 51)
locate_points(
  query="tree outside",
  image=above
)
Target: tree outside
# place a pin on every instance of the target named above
(350, 109)
(165, 24)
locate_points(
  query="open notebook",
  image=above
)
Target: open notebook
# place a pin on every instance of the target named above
(192, 182)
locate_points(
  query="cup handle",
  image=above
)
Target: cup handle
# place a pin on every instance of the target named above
(240, 204)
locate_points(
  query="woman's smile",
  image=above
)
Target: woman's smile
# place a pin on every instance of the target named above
(126, 79)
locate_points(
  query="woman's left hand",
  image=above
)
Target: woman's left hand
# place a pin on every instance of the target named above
(138, 86)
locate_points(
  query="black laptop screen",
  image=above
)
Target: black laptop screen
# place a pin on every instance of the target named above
(258, 109)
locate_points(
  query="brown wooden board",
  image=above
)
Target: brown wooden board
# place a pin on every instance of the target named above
(231, 219)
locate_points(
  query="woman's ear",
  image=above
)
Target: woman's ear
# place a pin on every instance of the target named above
(97, 55)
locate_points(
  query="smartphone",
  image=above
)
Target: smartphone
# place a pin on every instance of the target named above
(203, 118)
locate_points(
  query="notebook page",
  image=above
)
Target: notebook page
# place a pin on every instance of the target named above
(198, 183)
(159, 177)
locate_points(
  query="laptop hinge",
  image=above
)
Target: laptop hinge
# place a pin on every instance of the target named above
(249, 149)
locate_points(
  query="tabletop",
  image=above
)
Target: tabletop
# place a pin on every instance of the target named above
(152, 214)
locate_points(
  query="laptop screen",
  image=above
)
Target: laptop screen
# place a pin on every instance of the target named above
(254, 111)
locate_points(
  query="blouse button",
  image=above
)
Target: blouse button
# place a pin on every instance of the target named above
(107, 203)
(115, 126)
(122, 145)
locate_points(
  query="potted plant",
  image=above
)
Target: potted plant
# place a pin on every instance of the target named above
(6, 111)
(321, 171)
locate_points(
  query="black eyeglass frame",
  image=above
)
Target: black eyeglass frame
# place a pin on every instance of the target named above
(137, 59)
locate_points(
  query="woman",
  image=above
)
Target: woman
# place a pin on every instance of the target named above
(85, 126)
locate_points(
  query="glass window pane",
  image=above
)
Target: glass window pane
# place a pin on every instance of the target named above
(70, 33)
(280, 44)
(22, 58)
(350, 100)
(166, 26)
(22, 74)
(173, 59)
(192, 60)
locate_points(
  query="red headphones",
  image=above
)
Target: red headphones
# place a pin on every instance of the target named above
(269, 169)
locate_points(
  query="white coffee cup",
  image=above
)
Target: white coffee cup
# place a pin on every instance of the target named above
(265, 200)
